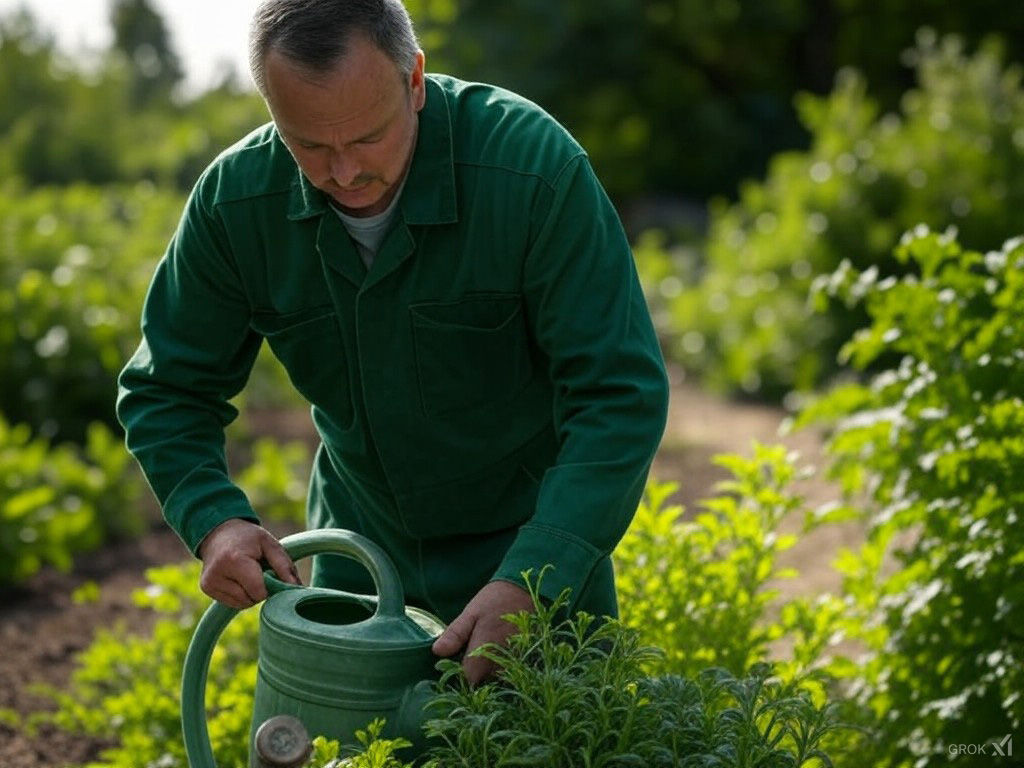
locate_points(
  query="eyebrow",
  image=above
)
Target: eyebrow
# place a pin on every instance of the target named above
(366, 136)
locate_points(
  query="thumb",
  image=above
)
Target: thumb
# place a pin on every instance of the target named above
(456, 636)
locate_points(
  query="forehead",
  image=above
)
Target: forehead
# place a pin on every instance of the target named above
(361, 89)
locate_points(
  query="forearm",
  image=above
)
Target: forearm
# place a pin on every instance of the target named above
(178, 440)
(589, 317)
(174, 394)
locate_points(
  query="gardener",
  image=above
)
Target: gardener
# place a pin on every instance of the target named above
(444, 279)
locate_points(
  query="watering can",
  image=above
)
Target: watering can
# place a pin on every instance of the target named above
(329, 660)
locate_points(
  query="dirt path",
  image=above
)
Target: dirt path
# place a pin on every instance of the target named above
(42, 627)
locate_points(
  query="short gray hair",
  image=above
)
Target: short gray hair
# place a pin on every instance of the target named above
(315, 34)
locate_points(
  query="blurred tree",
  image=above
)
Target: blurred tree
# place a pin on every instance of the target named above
(669, 95)
(141, 36)
(55, 120)
(26, 66)
(691, 96)
(65, 121)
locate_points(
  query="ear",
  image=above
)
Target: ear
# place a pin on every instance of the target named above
(417, 82)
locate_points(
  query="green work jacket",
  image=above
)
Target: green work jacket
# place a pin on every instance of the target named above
(489, 394)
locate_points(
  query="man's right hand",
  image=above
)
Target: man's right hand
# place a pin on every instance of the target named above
(234, 555)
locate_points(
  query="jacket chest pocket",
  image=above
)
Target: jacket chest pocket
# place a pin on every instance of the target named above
(309, 345)
(470, 353)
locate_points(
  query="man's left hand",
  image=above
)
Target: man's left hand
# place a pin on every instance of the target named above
(481, 623)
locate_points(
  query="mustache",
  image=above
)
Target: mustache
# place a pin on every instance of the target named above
(358, 181)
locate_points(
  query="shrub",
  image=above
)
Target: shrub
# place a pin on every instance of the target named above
(276, 479)
(933, 447)
(703, 587)
(953, 154)
(74, 266)
(574, 692)
(126, 687)
(56, 501)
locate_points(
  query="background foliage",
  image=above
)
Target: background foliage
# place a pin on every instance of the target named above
(931, 446)
(689, 97)
(736, 310)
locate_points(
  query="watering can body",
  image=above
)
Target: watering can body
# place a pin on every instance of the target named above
(333, 660)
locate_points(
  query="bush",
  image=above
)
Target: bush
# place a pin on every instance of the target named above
(276, 480)
(126, 687)
(953, 154)
(574, 692)
(703, 587)
(56, 501)
(933, 446)
(74, 266)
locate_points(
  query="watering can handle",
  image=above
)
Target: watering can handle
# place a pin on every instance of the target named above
(391, 603)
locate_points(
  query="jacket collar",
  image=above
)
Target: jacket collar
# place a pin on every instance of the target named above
(429, 196)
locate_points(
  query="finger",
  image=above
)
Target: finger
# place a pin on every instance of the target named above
(280, 562)
(455, 637)
(478, 669)
(248, 574)
(231, 594)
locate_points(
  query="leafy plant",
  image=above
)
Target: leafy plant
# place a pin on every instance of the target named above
(56, 501)
(702, 587)
(952, 155)
(575, 692)
(126, 686)
(932, 447)
(275, 480)
(374, 752)
(74, 266)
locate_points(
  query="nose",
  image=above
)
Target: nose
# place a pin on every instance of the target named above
(343, 168)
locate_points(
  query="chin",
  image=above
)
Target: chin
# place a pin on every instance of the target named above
(357, 204)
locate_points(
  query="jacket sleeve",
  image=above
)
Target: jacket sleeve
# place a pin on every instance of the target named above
(195, 355)
(588, 314)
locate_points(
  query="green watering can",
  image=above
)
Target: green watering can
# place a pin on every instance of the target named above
(330, 660)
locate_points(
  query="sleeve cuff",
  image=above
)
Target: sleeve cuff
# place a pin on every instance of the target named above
(538, 545)
(199, 526)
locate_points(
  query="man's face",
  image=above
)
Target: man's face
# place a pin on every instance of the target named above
(353, 130)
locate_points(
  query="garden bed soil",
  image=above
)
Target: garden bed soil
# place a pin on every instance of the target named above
(42, 627)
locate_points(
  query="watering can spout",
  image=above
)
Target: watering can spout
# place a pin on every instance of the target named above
(330, 662)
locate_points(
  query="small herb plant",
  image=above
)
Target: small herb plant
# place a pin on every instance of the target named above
(126, 687)
(576, 692)
(374, 751)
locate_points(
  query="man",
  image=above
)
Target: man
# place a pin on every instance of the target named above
(446, 282)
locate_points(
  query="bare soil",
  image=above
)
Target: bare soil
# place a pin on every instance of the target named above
(42, 628)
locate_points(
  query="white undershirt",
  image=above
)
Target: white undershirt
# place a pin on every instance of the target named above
(368, 232)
